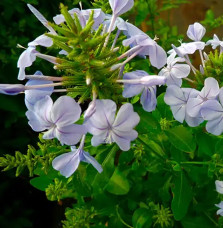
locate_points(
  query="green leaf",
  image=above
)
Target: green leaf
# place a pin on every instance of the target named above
(182, 196)
(101, 179)
(219, 147)
(197, 222)
(181, 138)
(41, 183)
(118, 184)
(142, 218)
(147, 122)
(206, 144)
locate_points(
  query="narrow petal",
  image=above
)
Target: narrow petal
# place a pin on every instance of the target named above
(67, 163)
(41, 18)
(42, 40)
(9, 89)
(89, 159)
(148, 99)
(25, 60)
(120, 7)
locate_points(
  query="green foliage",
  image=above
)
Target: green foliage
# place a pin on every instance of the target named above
(42, 157)
(56, 190)
(182, 196)
(79, 217)
(181, 138)
(148, 13)
(211, 22)
(103, 4)
(213, 68)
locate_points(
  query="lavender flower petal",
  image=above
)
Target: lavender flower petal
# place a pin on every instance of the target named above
(89, 159)
(9, 89)
(219, 186)
(65, 111)
(67, 163)
(120, 7)
(196, 31)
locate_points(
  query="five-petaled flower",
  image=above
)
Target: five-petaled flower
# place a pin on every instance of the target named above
(58, 119)
(106, 128)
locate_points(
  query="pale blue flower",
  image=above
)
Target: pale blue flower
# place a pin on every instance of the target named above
(119, 23)
(148, 47)
(9, 89)
(219, 186)
(220, 211)
(58, 119)
(145, 84)
(210, 91)
(121, 7)
(68, 163)
(106, 128)
(187, 48)
(212, 111)
(196, 31)
(177, 98)
(33, 95)
(215, 42)
(174, 71)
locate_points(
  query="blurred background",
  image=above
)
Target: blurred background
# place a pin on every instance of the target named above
(21, 204)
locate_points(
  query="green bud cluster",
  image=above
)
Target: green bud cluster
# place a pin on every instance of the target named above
(42, 157)
(103, 4)
(79, 217)
(56, 191)
(213, 68)
(163, 216)
(87, 66)
(139, 151)
(165, 124)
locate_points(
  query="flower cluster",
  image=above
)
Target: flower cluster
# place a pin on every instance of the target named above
(91, 66)
(189, 104)
(80, 32)
(219, 189)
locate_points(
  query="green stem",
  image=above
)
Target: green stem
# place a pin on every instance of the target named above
(119, 216)
(212, 220)
(200, 163)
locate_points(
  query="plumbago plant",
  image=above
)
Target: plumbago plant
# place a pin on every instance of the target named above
(131, 135)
